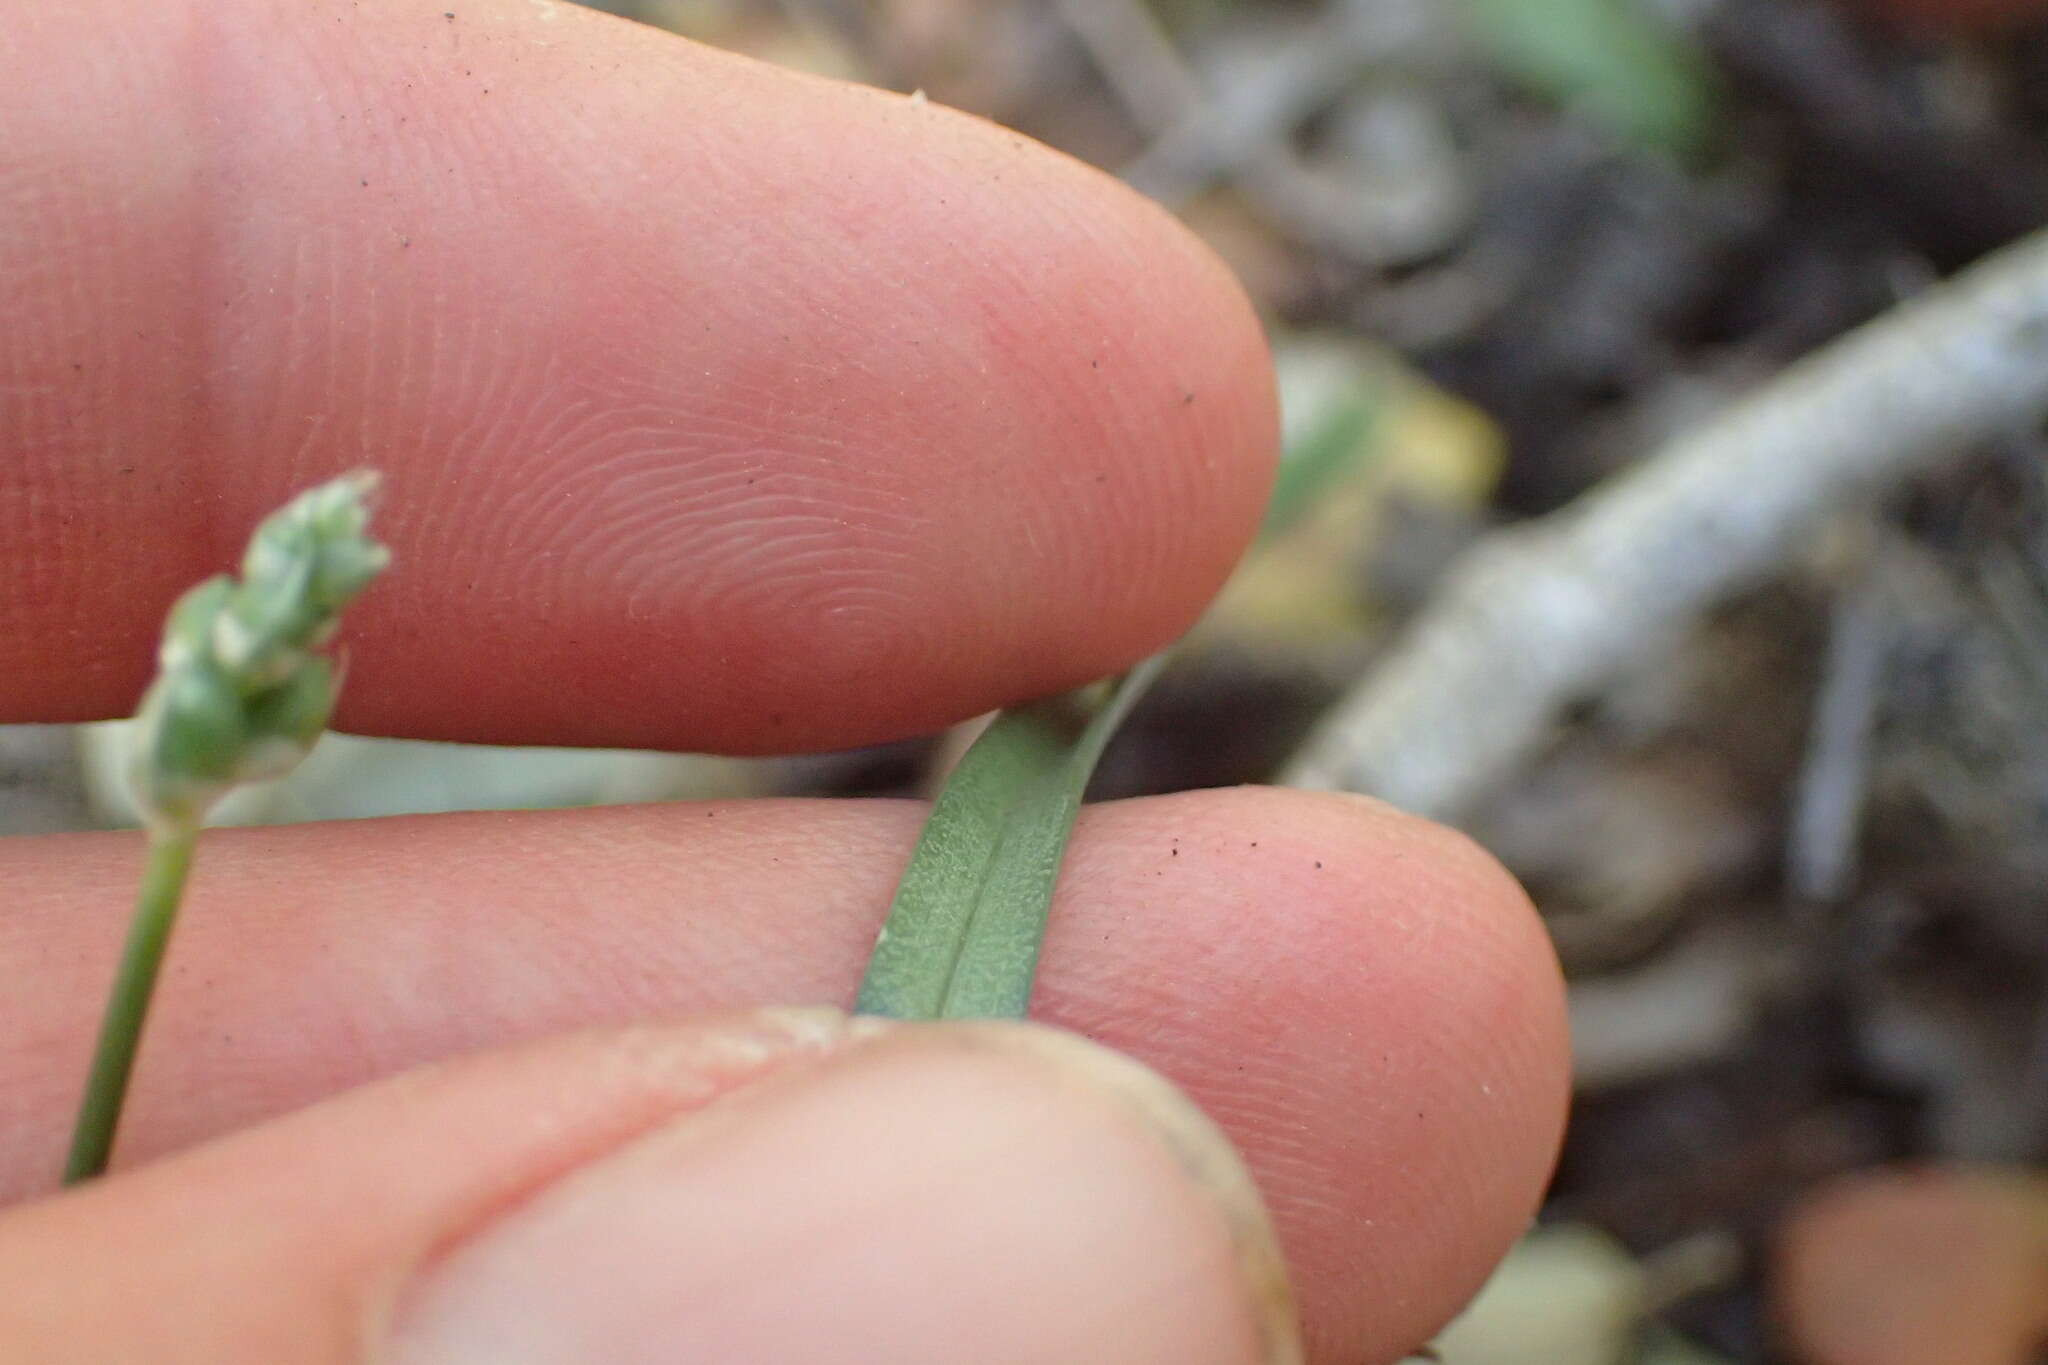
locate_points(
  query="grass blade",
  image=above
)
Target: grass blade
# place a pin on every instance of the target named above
(963, 933)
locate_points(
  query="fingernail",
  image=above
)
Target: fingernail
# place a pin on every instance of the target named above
(996, 1193)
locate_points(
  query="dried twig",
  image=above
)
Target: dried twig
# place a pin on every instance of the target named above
(1827, 806)
(1243, 120)
(1135, 56)
(1537, 615)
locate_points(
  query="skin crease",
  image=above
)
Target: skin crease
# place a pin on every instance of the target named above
(957, 370)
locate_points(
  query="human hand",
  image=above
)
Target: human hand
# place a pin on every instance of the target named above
(720, 409)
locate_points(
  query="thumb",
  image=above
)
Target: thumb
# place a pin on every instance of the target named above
(782, 1186)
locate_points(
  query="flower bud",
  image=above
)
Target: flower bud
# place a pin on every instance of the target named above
(240, 695)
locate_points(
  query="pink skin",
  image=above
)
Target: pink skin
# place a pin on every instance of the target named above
(1381, 1035)
(714, 402)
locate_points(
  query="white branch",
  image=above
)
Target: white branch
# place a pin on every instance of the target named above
(1538, 615)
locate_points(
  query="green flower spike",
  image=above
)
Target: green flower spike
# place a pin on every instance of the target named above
(240, 696)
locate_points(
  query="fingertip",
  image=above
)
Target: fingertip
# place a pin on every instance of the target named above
(1382, 1029)
(780, 1185)
(862, 416)
(939, 1192)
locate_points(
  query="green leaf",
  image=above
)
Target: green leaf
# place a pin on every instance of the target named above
(1314, 462)
(962, 937)
(1612, 60)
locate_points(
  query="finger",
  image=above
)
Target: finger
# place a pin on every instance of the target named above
(1364, 1001)
(720, 407)
(776, 1188)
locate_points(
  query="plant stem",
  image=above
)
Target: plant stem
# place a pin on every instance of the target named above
(156, 910)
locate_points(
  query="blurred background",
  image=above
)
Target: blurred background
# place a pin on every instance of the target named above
(1789, 825)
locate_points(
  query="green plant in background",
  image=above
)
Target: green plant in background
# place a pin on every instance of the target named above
(1327, 449)
(241, 695)
(1613, 60)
